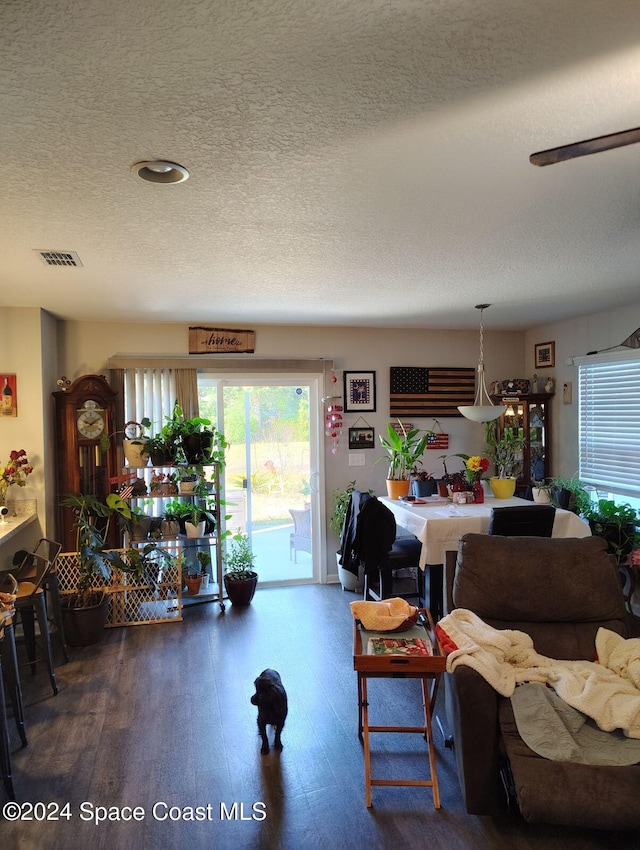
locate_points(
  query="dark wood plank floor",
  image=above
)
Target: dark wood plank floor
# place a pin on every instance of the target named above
(161, 715)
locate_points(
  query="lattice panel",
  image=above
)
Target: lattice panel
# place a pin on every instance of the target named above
(133, 601)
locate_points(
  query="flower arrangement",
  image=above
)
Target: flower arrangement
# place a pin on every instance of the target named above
(15, 472)
(475, 466)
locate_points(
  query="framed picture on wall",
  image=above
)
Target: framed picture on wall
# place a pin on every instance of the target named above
(545, 355)
(8, 395)
(359, 392)
(361, 438)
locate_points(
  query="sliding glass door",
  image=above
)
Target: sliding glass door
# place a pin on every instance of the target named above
(272, 477)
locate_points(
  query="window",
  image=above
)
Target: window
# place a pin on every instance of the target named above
(609, 420)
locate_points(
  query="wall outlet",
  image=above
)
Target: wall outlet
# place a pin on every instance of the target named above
(567, 393)
(356, 459)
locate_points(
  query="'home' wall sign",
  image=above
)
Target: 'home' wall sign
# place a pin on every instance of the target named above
(221, 341)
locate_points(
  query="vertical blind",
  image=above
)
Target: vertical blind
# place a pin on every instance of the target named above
(609, 425)
(150, 393)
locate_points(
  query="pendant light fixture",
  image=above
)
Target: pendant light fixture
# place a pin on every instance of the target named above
(482, 409)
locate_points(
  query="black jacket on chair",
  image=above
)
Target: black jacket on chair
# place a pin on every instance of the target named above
(348, 558)
(375, 536)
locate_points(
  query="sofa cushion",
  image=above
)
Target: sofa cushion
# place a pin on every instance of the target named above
(567, 792)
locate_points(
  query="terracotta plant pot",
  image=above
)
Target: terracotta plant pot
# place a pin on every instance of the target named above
(503, 488)
(194, 583)
(396, 489)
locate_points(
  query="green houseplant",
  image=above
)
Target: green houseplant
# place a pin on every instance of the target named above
(506, 454)
(85, 610)
(617, 524)
(240, 578)
(404, 450)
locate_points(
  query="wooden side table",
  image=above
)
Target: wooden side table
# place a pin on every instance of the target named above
(428, 669)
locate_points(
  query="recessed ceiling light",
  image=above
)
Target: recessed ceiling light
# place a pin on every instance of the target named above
(160, 171)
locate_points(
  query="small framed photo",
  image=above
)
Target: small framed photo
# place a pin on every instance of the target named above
(359, 392)
(8, 395)
(545, 355)
(361, 438)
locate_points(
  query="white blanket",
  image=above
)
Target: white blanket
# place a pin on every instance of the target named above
(506, 658)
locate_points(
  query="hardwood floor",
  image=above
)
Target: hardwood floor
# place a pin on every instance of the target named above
(161, 715)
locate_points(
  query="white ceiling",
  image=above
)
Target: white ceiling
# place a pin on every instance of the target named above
(353, 162)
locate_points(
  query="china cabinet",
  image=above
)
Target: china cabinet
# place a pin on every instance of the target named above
(529, 417)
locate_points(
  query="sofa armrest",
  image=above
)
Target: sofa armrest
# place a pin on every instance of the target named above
(472, 714)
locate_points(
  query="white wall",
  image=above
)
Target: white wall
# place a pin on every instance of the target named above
(573, 339)
(86, 347)
(28, 349)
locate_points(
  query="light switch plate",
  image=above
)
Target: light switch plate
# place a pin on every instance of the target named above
(567, 393)
(356, 459)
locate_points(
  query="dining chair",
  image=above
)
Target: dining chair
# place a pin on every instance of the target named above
(526, 521)
(391, 563)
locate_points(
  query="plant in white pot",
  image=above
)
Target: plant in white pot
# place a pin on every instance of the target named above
(506, 453)
(404, 450)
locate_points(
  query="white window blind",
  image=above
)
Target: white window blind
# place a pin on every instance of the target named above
(609, 425)
(150, 393)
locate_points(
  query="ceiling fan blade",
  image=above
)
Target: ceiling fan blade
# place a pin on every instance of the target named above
(600, 143)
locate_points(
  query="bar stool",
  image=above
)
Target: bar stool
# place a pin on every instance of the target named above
(30, 603)
(6, 614)
(50, 550)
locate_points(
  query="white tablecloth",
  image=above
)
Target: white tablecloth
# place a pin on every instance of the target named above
(439, 527)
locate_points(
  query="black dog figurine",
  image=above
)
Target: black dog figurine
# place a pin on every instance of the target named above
(271, 699)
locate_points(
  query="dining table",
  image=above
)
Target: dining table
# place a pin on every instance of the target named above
(439, 524)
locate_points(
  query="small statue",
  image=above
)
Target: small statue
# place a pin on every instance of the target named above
(534, 384)
(548, 387)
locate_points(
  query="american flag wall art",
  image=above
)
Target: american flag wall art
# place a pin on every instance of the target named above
(421, 391)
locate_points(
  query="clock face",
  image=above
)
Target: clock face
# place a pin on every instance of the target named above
(90, 420)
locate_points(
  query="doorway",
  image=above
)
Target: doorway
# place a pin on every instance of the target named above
(272, 479)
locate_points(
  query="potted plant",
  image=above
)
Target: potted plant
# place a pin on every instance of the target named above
(85, 611)
(198, 520)
(195, 438)
(240, 579)
(617, 524)
(506, 453)
(161, 451)
(404, 450)
(570, 494)
(423, 483)
(133, 443)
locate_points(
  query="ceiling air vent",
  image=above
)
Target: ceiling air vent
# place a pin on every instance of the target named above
(60, 258)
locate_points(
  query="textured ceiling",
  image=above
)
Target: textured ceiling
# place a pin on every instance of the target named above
(352, 163)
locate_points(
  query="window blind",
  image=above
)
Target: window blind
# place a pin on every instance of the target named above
(609, 425)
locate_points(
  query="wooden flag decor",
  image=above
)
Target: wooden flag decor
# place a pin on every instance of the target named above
(221, 341)
(418, 391)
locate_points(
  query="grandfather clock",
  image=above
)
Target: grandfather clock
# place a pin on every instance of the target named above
(84, 413)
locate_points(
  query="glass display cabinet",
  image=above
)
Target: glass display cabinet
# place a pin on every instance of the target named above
(528, 416)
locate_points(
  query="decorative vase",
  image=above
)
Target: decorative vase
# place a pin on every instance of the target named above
(397, 489)
(478, 492)
(503, 488)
